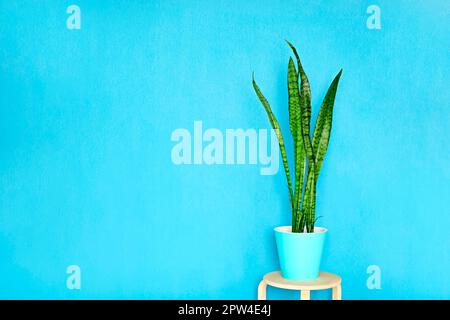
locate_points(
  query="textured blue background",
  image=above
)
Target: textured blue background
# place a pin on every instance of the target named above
(86, 116)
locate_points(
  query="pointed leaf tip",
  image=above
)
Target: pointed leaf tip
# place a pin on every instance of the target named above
(338, 76)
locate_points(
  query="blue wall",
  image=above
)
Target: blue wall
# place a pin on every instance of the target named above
(86, 117)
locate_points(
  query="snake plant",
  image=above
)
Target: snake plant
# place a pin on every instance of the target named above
(308, 152)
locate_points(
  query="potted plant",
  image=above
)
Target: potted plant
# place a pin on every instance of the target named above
(300, 245)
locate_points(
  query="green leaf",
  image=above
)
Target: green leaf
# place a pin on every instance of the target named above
(299, 150)
(322, 129)
(276, 127)
(309, 201)
(305, 105)
(306, 217)
(294, 99)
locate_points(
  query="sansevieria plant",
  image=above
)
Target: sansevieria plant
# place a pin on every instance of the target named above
(309, 152)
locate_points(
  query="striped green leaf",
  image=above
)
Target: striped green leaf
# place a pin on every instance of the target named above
(309, 201)
(322, 129)
(273, 121)
(305, 105)
(299, 150)
(294, 99)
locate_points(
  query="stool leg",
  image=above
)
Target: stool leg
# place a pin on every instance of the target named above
(337, 292)
(305, 295)
(262, 290)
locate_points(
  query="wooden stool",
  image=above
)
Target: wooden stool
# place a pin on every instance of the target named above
(324, 281)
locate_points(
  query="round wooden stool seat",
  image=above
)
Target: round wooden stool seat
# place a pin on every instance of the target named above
(325, 280)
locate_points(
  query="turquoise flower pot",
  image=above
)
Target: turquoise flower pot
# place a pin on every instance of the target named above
(300, 253)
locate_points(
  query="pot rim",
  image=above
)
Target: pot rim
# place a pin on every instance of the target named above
(288, 229)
